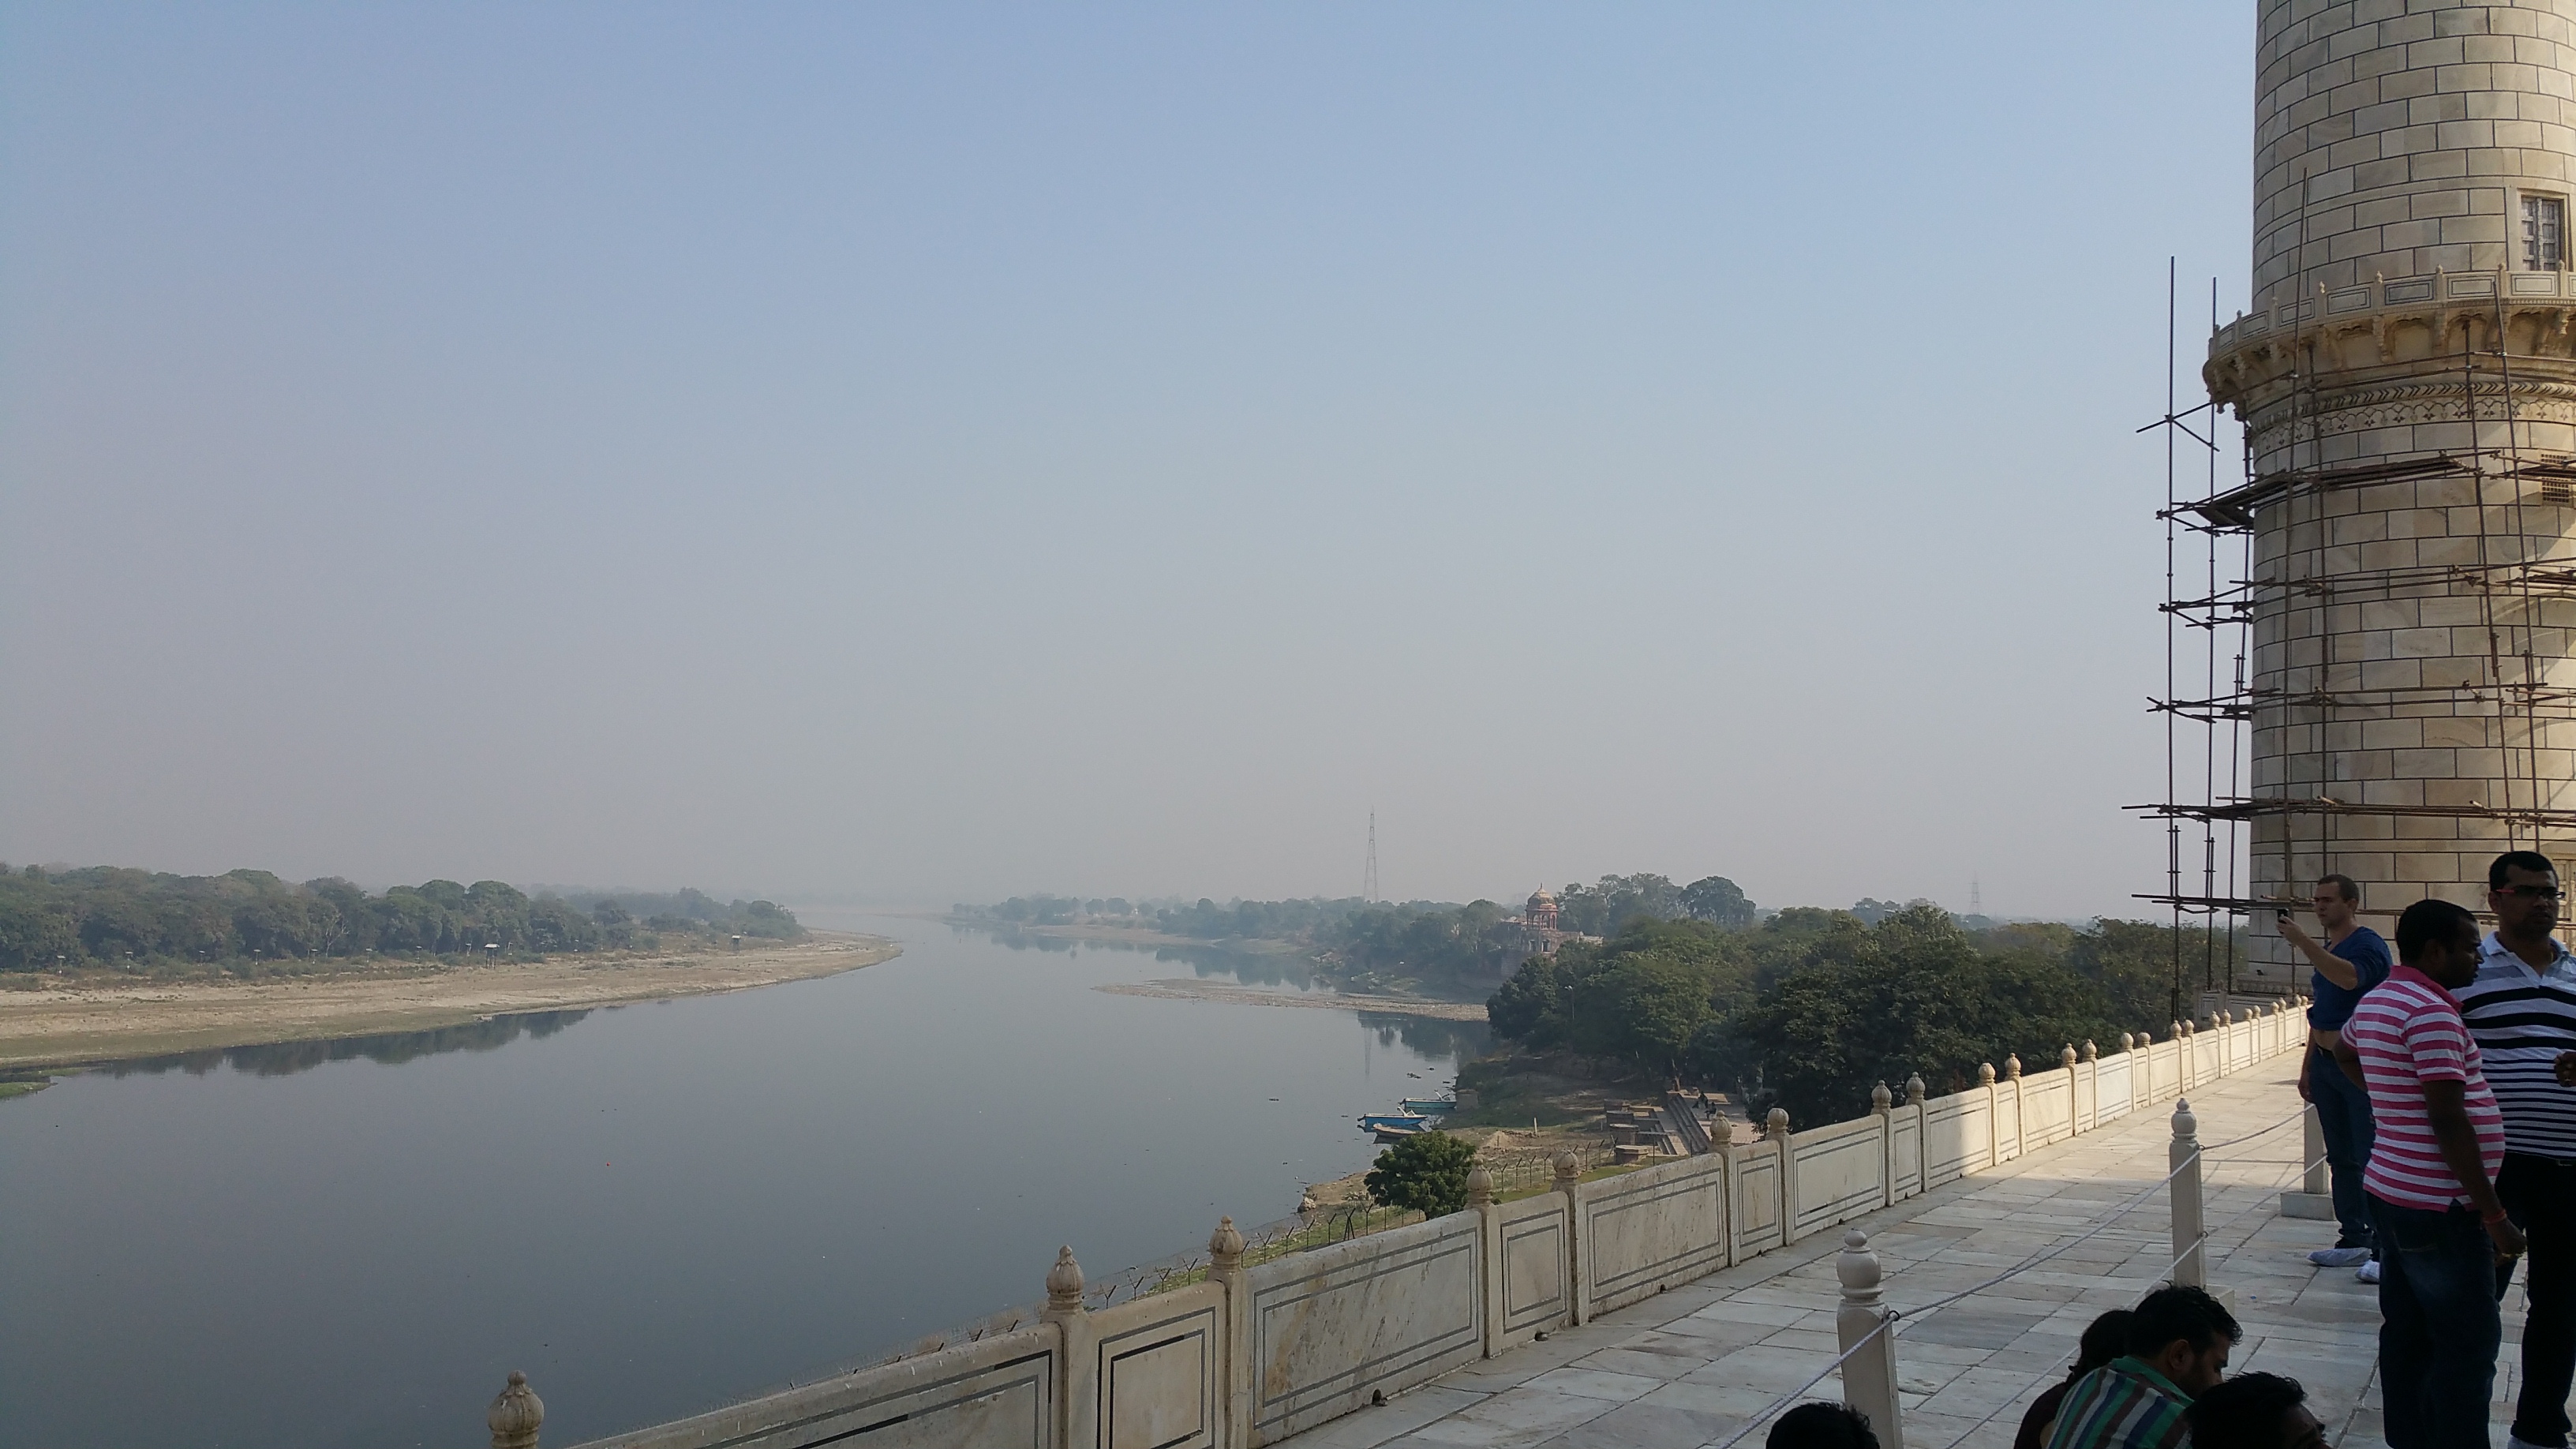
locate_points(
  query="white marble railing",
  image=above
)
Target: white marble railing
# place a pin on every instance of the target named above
(2467, 289)
(1255, 1353)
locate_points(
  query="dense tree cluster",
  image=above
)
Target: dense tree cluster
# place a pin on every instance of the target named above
(113, 916)
(1426, 945)
(1606, 908)
(1813, 1008)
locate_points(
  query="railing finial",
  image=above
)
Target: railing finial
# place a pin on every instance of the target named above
(516, 1415)
(1064, 1285)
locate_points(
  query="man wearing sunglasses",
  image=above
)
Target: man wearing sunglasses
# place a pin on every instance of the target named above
(2521, 1010)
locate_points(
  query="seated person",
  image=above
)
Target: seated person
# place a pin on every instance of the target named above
(1822, 1426)
(2255, 1411)
(2178, 1343)
(2105, 1339)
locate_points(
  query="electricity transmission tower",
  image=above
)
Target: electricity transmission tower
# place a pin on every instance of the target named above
(1368, 877)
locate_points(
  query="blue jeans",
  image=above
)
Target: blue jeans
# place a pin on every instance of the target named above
(2343, 1115)
(2438, 1325)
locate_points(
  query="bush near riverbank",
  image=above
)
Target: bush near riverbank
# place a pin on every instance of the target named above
(249, 922)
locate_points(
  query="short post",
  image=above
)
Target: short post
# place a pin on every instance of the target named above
(1489, 1248)
(1775, 1135)
(1882, 1105)
(1994, 1114)
(2314, 1196)
(2190, 1270)
(2312, 1151)
(1862, 1327)
(515, 1416)
(2082, 1096)
(1234, 1374)
(1077, 1385)
(1578, 1276)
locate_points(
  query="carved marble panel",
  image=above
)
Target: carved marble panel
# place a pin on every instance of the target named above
(1381, 1314)
(1653, 1228)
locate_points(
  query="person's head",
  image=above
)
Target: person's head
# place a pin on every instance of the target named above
(2336, 899)
(2105, 1339)
(2255, 1411)
(2439, 939)
(2522, 890)
(2184, 1334)
(1822, 1426)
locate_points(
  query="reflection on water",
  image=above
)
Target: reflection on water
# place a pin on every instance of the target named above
(282, 1059)
(1207, 961)
(662, 1211)
(1430, 1035)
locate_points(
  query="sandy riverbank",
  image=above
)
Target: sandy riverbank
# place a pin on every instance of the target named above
(1321, 1000)
(93, 1021)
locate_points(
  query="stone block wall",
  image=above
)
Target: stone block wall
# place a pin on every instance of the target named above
(2395, 321)
(2412, 655)
(2396, 137)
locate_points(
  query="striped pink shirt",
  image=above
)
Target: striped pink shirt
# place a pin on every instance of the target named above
(2407, 1032)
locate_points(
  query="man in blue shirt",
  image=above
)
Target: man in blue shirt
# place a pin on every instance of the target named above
(2351, 960)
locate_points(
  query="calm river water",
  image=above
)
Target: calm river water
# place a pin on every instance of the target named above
(652, 1209)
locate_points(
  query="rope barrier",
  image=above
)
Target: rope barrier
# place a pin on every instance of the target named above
(2208, 1233)
(2250, 1136)
(2017, 1401)
(1891, 1319)
(1782, 1402)
(2044, 1255)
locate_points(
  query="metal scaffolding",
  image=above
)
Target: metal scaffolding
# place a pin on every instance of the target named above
(2209, 704)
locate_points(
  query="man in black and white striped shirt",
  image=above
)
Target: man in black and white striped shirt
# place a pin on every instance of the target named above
(2521, 1009)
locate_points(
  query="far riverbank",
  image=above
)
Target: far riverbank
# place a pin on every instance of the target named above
(91, 1021)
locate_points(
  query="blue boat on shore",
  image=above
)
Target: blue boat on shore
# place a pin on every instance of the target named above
(1429, 1106)
(1394, 1124)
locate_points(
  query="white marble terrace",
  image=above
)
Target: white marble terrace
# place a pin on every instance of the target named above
(1689, 1367)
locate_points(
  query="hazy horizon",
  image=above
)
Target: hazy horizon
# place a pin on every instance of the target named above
(920, 454)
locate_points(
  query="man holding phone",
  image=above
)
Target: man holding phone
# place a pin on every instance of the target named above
(2351, 960)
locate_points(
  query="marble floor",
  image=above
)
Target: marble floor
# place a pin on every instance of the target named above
(1693, 1366)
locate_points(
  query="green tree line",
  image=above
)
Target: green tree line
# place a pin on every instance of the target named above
(1432, 946)
(108, 915)
(1812, 1008)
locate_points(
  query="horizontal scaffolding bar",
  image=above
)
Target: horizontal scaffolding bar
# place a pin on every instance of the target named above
(2249, 809)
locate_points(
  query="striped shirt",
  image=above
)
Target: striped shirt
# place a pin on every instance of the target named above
(2522, 1019)
(2122, 1405)
(2408, 1032)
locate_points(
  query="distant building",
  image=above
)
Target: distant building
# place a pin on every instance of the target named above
(1540, 935)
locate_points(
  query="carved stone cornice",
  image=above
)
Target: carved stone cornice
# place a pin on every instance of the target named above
(2367, 352)
(2349, 409)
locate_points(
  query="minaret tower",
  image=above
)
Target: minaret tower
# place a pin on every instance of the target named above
(2407, 381)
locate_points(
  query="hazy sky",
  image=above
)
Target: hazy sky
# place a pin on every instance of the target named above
(937, 452)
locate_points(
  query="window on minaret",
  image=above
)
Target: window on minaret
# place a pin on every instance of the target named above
(2544, 233)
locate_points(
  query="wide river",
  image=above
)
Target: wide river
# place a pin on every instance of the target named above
(654, 1209)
